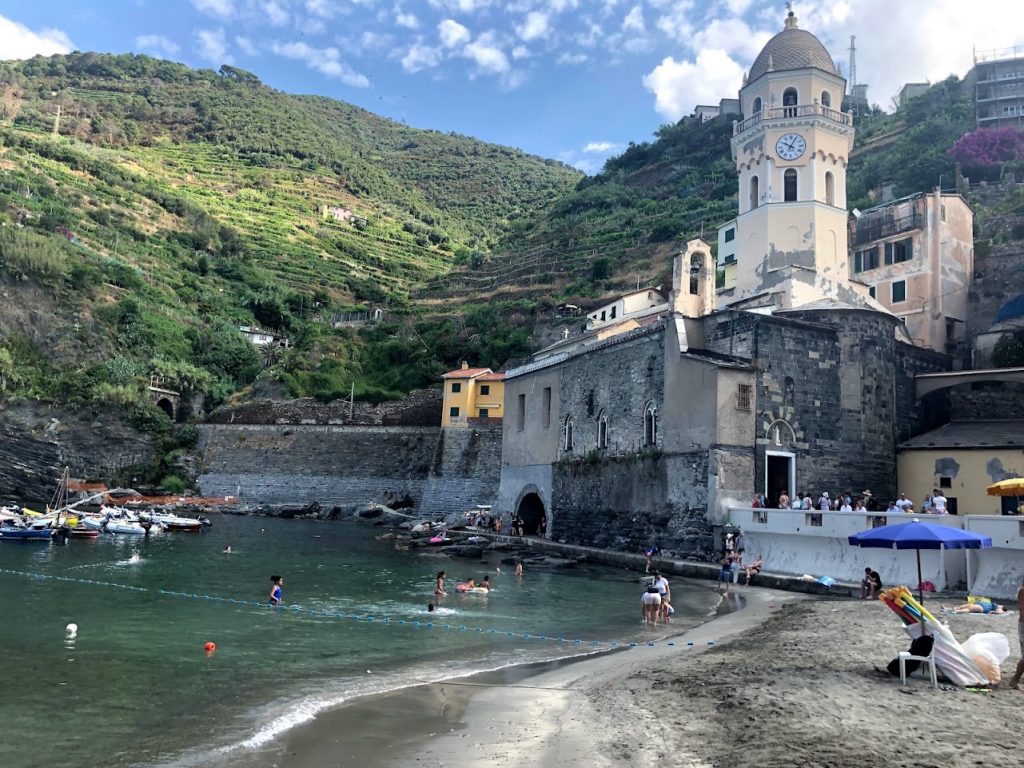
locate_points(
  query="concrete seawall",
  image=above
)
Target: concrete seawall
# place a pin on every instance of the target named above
(438, 472)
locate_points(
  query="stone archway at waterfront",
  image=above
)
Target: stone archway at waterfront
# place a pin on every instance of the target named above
(531, 511)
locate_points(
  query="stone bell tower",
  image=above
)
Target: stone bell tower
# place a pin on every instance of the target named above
(791, 153)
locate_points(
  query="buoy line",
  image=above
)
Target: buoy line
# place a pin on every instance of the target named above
(365, 618)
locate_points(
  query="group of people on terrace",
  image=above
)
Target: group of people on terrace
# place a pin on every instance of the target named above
(935, 503)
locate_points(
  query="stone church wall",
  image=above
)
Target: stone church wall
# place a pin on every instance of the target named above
(626, 503)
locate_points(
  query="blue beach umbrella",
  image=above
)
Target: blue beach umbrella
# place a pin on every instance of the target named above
(917, 535)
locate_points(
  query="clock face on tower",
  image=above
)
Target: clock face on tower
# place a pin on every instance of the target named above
(790, 146)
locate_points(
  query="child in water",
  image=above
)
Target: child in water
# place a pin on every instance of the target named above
(439, 586)
(275, 590)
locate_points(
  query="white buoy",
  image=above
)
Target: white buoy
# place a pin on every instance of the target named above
(71, 629)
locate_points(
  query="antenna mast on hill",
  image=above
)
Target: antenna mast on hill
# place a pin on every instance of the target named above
(853, 74)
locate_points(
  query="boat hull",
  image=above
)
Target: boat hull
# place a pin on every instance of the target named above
(25, 534)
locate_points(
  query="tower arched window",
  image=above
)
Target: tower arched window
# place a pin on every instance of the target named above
(789, 185)
(696, 263)
(755, 194)
(789, 101)
(826, 99)
(651, 424)
(567, 436)
(830, 188)
(602, 430)
(757, 105)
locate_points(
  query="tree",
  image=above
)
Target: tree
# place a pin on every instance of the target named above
(1009, 351)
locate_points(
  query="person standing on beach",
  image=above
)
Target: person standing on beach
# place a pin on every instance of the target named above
(1015, 680)
(275, 590)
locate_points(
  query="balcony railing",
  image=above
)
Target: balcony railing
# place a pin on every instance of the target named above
(869, 229)
(783, 113)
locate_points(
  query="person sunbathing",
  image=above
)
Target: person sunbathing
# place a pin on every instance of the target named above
(753, 569)
(984, 606)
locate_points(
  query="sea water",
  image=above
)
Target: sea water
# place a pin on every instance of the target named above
(135, 686)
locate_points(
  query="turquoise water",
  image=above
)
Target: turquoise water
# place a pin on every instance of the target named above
(136, 687)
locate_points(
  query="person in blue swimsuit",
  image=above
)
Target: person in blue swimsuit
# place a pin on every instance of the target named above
(275, 590)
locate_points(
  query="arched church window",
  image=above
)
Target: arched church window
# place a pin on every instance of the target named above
(789, 185)
(754, 193)
(757, 105)
(567, 436)
(651, 424)
(602, 430)
(789, 100)
(830, 188)
(696, 262)
(826, 99)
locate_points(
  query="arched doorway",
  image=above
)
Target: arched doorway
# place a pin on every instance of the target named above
(165, 405)
(531, 512)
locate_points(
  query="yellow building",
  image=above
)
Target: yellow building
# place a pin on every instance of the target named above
(472, 393)
(962, 459)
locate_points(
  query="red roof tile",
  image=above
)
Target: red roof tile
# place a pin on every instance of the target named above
(466, 373)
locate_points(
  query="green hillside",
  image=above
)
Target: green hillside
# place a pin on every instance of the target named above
(172, 205)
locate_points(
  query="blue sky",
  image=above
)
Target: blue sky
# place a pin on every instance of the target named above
(575, 80)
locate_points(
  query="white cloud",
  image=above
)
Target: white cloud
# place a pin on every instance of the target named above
(634, 21)
(20, 42)
(678, 86)
(212, 47)
(220, 9)
(452, 33)
(601, 147)
(156, 44)
(521, 52)
(534, 27)
(407, 20)
(460, 6)
(732, 36)
(246, 46)
(373, 41)
(674, 22)
(326, 61)
(274, 13)
(488, 57)
(420, 57)
(944, 33)
(325, 9)
(738, 7)
(571, 58)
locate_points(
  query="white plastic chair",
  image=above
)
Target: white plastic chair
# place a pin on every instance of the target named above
(928, 660)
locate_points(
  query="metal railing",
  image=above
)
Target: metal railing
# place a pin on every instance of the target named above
(784, 113)
(871, 229)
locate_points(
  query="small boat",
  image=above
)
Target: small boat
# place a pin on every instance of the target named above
(125, 527)
(92, 523)
(83, 532)
(173, 522)
(10, 533)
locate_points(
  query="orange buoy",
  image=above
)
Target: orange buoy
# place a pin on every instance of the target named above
(210, 647)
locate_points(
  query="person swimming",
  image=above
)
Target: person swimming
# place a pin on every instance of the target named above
(275, 591)
(465, 586)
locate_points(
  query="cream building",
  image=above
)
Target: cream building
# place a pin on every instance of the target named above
(791, 153)
(629, 305)
(916, 255)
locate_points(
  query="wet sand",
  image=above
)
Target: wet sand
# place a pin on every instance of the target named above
(788, 682)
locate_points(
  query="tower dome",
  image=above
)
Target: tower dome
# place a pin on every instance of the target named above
(792, 48)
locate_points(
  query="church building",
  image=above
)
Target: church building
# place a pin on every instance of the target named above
(648, 428)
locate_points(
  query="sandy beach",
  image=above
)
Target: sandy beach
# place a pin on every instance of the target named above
(788, 681)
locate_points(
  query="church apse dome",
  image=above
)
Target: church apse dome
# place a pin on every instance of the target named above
(792, 48)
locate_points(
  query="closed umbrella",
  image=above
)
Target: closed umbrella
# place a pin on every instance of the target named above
(917, 536)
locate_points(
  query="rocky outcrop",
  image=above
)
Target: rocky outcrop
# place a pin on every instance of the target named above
(38, 440)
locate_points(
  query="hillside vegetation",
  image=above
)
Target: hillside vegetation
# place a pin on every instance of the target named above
(150, 209)
(174, 205)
